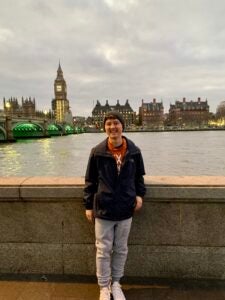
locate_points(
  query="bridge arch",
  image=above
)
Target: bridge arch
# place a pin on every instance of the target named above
(69, 129)
(23, 130)
(55, 129)
(2, 133)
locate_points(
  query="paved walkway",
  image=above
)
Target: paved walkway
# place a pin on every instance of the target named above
(21, 290)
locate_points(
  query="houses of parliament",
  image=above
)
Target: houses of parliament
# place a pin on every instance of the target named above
(60, 109)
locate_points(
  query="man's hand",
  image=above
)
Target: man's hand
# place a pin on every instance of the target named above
(139, 203)
(90, 215)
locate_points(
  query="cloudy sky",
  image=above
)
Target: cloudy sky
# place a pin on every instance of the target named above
(113, 49)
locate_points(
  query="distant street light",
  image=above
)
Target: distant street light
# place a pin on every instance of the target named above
(45, 113)
(7, 105)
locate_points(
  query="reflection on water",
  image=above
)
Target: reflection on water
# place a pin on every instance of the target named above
(12, 160)
(165, 153)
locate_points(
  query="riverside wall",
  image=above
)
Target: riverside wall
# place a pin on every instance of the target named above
(179, 233)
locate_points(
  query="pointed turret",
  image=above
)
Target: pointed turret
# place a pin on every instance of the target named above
(59, 73)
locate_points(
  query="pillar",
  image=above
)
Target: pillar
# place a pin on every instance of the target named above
(8, 127)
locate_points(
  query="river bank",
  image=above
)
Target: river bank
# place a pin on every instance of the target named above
(95, 130)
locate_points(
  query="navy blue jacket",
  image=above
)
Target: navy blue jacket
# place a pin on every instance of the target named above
(112, 196)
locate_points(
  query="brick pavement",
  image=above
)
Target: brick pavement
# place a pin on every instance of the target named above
(29, 290)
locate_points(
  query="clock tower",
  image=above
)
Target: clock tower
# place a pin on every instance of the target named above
(60, 105)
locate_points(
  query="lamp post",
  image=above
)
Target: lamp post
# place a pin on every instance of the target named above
(8, 121)
(7, 106)
(45, 113)
(45, 124)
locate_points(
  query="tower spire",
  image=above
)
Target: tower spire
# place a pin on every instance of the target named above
(59, 68)
(59, 72)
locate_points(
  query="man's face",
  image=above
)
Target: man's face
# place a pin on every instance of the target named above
(113, 128)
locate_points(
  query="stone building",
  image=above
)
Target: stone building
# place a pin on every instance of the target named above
(218, 120)
(151, 114)
(13, 108)
(220, 111)
(28, 107)
(188, 113)
(126, 111)
(60, 104)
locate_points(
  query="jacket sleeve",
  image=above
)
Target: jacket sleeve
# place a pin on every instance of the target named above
(139, 177)
(91, 182)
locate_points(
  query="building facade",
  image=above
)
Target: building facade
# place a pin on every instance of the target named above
(13, 108)
(126, 111)
(188, 113)
(220, 111)
(151, 114)
(60, 104)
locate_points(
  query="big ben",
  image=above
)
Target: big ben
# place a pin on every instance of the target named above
(60, 105)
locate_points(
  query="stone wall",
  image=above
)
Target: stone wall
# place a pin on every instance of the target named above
(179, 233)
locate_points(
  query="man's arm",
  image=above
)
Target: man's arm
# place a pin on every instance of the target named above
(90, 187)
(139, 176)
(139, 202)
(89, 215)
(139, 182)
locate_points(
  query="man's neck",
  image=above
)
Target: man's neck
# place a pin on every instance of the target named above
(116, 142)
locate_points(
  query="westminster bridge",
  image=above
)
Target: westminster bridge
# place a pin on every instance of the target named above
(14, 127)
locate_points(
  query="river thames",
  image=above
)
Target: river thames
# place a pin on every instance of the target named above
(165, 153)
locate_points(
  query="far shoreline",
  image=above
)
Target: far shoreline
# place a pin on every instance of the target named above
(159, 130)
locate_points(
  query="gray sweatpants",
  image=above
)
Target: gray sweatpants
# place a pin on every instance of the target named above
(111, 245)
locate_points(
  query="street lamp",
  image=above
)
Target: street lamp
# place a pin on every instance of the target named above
(7, 105)
(8, 121)
(45, 113)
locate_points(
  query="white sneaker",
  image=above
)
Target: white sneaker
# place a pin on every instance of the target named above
(105, 293)
(117, 291)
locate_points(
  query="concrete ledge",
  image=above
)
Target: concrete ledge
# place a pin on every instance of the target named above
(179, 233)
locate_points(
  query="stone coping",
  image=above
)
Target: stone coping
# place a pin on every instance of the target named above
(208, 181)
(159, 188)
(41, 181)
(195, 181)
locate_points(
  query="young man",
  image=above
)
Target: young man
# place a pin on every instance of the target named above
(114, 188)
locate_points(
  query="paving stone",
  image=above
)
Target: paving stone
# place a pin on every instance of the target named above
(26, 290)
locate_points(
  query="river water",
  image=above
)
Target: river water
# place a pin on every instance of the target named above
(164, 153)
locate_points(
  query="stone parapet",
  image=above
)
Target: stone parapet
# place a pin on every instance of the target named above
(179, 233)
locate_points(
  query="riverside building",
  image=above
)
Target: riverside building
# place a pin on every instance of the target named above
(188, 114)
(151, 114)
(220, 111)
(13, 108)
(218, 120)
(99, 111)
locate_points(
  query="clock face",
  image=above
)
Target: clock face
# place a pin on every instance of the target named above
(58, 88)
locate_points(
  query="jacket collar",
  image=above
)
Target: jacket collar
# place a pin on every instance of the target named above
(102, 147)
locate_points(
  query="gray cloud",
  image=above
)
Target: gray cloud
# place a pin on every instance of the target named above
(112, 49)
